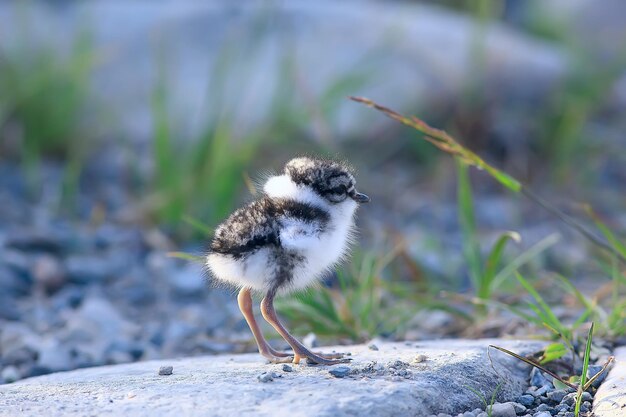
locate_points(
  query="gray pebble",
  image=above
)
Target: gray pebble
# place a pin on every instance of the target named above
(592, 371)
(166, 370)
(526, 400)
(265, 377)
(587, 396)
(287, 368)
(542, 414)
(561, 408)
(519, 408)
(557, 395)
(372, 347)
(9, 374)
(569, 399)
(539, 391)
(544, 407)
(503, 410)
(538, 379)
(340, 371)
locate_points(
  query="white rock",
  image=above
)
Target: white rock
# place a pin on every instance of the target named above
(610, 400)
(503, 410)
(227, 385)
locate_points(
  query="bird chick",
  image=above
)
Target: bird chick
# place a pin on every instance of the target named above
(285, 241)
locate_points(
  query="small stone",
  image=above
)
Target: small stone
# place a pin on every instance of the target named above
(419, 358)
(166, 370)
(340, 371)
(131, 395)
(265, 377)
(372, 347)
(542, 414)
(482, 414)
(526, 400)
(9, 374)
(519, 408)
(397, 364)
(48, 272)
(287, 368)
(569, 414)
(592, 371)
(544, 407)
(538, 379)
(443, 415)
(502, 410)
(587, 396)
(539, 392)
(556, 396)
(569, 399)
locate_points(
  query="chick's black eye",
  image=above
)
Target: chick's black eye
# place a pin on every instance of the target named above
(339, 189)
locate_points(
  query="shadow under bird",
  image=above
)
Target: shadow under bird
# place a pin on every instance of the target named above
(286, 241)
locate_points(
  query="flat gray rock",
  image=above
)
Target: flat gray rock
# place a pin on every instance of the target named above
(386, 382)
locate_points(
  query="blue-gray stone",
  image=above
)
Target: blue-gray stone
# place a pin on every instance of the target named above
(557, 395)
(340, 371)
(526, 400)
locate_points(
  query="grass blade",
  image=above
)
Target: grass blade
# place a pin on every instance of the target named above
(536, 365)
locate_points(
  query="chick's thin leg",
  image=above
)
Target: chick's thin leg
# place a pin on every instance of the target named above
(300, 351)
(245, 305)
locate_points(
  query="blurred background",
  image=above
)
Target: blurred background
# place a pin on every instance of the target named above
(129, 130)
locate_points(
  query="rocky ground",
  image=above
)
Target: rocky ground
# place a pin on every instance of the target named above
(438, 378)
(76, 292)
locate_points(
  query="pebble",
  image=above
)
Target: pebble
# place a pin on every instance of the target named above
(538, 379)
(340, 371)
(372, 347)
(166, 370)
(556, 396)
(265, 377)
(9, 374)
(526, 400)
(519, 408)
(542, 414)
(419, 358)
(86, 269)
(503, 410)
(592, 371)
(287, 368)
(569, 399)
(48, 272)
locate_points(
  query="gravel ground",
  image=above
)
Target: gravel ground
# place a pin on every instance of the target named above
(541, 399)
(78, 292)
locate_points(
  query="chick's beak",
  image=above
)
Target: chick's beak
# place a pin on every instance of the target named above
(360, 198)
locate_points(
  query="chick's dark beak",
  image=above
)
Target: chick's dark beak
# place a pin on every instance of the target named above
(360, 198)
